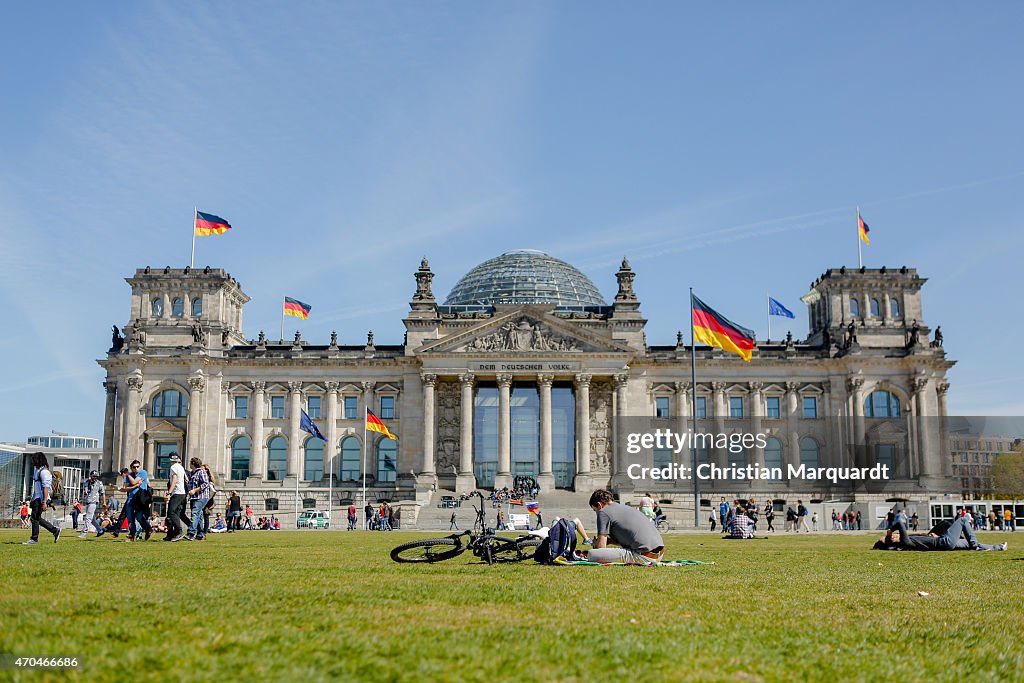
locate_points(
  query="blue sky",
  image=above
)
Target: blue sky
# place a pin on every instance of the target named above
(719, 146)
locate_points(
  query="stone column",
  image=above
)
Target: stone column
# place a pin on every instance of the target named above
(258, 453)
(930, 467)
(792, 451)
(131, 435)
(294, 434)
(855, 385)
(331, 447)
(620, 410)
(756, 413)
(107, 459)
(546, 478)
(943, 388)
(194, 437)
(465, 482)
(429, 385)
(682, 415)
(721, 455)
(149, 459)
(504, 475)
(583, 480)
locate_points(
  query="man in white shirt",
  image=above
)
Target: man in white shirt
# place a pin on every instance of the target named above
(176, 500)
(94, 499)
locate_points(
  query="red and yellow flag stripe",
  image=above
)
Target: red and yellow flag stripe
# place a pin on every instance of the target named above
(296, 308)
(374, 424)
(714, 329)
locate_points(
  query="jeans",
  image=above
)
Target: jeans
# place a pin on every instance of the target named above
(176, 515)
(195, 527)
(38, 521)
(136, 518)
(91, 518)
(951, 539)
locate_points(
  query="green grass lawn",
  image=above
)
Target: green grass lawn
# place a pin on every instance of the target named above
(302, 606)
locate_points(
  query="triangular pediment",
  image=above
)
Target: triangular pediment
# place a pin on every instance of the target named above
(165, 428)
(524, 330)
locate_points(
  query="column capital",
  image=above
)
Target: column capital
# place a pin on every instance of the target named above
(225, 387)
(295, 387)
(583, 379)
(428, 379)
(755, 387)
(854, 383)
(134, 384)
(545, 380)
(367, 385)
(110, 386)
(718, 387)
(332, 387)
(920, 384)
(792, 387)
(620, 380)
(942, 388)
(259, 386)
(504, 380)
(682, 387)
(467, 379)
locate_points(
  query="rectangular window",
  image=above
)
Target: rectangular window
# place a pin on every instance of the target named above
(661, 404)
(351, 407)
(387, 407)
(810, 406)
(241, 407)
(702, 406)
(735, 406)
(885, 454)
(313, 407)
(163, 460)
(772, 406)
(277, 407)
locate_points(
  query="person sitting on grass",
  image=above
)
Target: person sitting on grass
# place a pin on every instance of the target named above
(943, 536)
(639, 541)
(741, 525)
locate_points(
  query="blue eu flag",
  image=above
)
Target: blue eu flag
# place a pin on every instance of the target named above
(306, 424)
(775, 308)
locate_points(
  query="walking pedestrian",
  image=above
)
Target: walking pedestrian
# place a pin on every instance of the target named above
(352, 519)
(198, 489)
(453, 523)
(95, 498)
(137, 508)
(769, 515)
(234, 512)
(176, 500)
(42, 491)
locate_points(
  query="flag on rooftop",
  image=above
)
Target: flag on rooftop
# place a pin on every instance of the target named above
(714, 329)
(775, 308)
(209, 224)
(296, 308)
(863, 229)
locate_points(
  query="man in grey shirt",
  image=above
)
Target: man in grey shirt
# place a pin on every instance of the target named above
(638, 539)
(95, 497)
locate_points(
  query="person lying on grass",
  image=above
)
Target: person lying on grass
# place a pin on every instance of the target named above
(943, 536)
(638, 539)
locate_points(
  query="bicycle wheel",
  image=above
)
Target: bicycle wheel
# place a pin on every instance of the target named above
(429, 550)
(662, 525)
(512, 549)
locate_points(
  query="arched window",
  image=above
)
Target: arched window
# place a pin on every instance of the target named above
(277, 458)
(158, 307)
(350, 457)
(854, 307)
(875, 311)
(773, 454)
(810, 452)
(387, 460)
(197, 307)
(882, 403)
(170, 403)
(894, 308)
(313, 468)
(177, 307)
(241, 450)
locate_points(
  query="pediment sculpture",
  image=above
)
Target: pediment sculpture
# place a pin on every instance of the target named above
(523, 335)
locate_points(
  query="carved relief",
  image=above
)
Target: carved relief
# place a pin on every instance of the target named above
(523, 335)
(197, 383)
(448, 409)
(600, 427)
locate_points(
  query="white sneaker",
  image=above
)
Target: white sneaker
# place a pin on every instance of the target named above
(30, 542)
(83, 535)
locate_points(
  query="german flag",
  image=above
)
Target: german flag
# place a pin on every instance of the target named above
(374, 424)
(863, 229)
(296, 308)
(208, 224)
(714, 329)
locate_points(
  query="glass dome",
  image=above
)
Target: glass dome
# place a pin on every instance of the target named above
(525, 276)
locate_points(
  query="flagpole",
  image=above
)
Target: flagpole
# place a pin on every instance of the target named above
(195, 217)
(330, 486)
(693, 411)
(860, 256)
(282, 317)
(769, 316)
(365, 414)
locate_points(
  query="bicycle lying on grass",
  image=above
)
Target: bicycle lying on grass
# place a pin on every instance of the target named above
(487, 546)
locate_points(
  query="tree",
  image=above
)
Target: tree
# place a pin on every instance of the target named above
(1008, 475)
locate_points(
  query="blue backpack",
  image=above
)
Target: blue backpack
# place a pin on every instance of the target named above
(561, 542)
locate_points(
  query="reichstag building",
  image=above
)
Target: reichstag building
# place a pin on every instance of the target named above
(525, 368)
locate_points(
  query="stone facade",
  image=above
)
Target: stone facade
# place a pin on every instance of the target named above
(185, 377)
